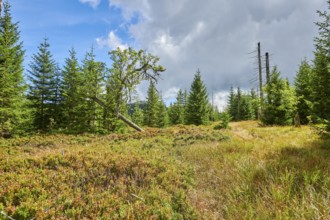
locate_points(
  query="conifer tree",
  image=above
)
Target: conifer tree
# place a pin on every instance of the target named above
(93, 83)
(162, 115)
(11, 74)
(73, 99)
(238, 105)
(304, 91)
(254, 104)
(246, 110)
(177, 111)
(43, 87)
(231, 103)
(280, 104)
(151, 113)
(197, 111)
(138, 116)
(321, 78)
(172, 114)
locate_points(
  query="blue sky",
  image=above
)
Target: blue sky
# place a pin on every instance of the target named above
(67, 23)
(214, 36)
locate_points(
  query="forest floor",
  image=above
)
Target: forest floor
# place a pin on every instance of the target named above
(181, 172)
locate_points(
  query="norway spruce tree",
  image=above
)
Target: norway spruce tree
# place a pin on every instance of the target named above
(255, 103)
(231, 108)
(280, 103)
(151, 113)
(197, 111)
(11, 75)
(304, 91)
(321, 78)
(177, 110)
(72, 95)
(93, 83)
(43, 87)
(137, 115)
(162, 114)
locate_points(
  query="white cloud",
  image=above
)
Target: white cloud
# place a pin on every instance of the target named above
(93, 3)
(220, 100)
(216, 36)
(112, 41)
(170, 94)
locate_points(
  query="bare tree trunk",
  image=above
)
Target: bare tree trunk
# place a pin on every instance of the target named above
(267, 68)
(0, 9)
(120, 116)
(260, 72)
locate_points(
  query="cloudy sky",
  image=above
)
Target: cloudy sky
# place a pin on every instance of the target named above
(215, 36)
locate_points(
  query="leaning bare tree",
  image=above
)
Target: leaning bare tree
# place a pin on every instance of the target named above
(129, 69)
(0, 8)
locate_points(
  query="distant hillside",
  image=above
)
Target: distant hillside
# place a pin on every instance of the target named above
(131, 106)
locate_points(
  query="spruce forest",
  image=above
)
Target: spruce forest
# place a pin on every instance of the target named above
(76, 142)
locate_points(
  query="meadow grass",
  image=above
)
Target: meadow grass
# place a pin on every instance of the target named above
(262, 173)
(182, 172)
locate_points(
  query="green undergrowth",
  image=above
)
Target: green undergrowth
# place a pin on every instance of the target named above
(133, 176)
(182, 172)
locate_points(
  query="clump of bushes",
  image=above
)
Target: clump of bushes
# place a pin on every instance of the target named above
(224, 123)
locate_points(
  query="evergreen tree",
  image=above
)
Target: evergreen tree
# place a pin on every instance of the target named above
(238, 105)
(304, 90)
(178, 109)
(137, 115)
(255, 104)
(214, 113)
(246, 109)
(231, 103)
(280, 104)
(197, 107)
(42, 91)
(321, 78)
(162, 115)
(172, 114)
(93, 84)
(73, 99)
(242, 106)
(151, 114)
(11, 75)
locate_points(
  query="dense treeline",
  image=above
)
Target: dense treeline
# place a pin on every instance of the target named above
(63, 99)
(307, 101)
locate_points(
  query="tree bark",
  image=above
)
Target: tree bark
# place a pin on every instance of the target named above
(120, 116)
(0, 9)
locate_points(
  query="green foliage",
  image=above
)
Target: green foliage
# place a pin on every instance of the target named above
(255, 104)
(138, 116)
(197, 111)
(151, 113)
(43, 88)
(129, 69)
(304, 91)
(321, 78)
(242, 106)
(177, 110)
(12, 88)
(162, 116)
(93, 73)
(78, 177)
(72, 96)
(225, 119)
(214, 113)
(280, 104)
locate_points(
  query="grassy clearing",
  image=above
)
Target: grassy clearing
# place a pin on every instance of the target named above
(183, 172)
(262, 173)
